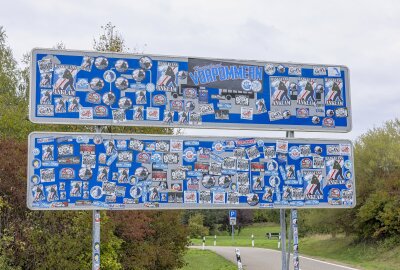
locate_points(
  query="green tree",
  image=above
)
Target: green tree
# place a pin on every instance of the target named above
(196, 226)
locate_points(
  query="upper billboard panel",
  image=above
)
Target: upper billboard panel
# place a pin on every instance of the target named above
(98, 88)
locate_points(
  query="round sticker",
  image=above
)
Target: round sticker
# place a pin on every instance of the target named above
(349, 184)
(208, 181)
(182, 75)
(125, 103)
(347, 164)
(138, 74)
(294, 152)
(224, 181)
(218, 147)
(133, 180)
(272, 165)
(334, 193)
(318, 150)
(96, 192)
(85, 173)
(348, 175)
(330, 113)
(96, 84)
(141, 173)
(281, 69)
(233, 187)
(109, 76)
(252, 199)
(122, 83)
(189, 154)
(150, 87)
(135, 192)
(274, 181)
(109, 98)
(315, 120)
(35, 179)
(101, 63)
(269, 69)
(145, 62)
(176, 187)
(97, 139)
(256, 86)
(159, 100)
(328, 122)
(287, 114)
(36, 163)
(121, 65)
(246, 85)
(36, 151)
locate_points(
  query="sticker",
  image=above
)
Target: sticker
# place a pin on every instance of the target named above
(167, 76)
(138, 113)
(333, 150)
(96, 84)
(319, 71)
(275, 115)
(109, 76)
(73, 104)
(67, 173)
(145, 62)
(100, 111)
(141, 97)
(218, 147)
(306, 163)
(294, 70)
(52, 193)
(45, 110)
(302, 112)
(341, 112)
(121, 66)
(260, 106)
(189, 106)
(85, 173)
(252, 199)
(189, 92)
(85, 113)
(159, 100)
(253, 152)
(328, 122)
(334, 92)
(101, 63)
(282, 146)
(82, 84)
(45, 65)
(171, 158)
(294, 152)
(242, 100)
(246, 113)
(218, 197)
(195, 119)
(64, 80)
(178, 174)
(135, 144)
(141, 173)
(257, 167)
(162, 146)
(183, 118)
(47, 152)
(109, 98)
(269, 69)
(334, 71)
(60, 105)
(102, 173)
(144, 157)
(76, 189)
(208, 181)
(206, 109)
(126, 156)
(152, 113)
(93, 97)
(125, 103)
(121, 83)
(190, 197)
(345, 149)
(279, 91)
(45, 80)
(36, 163)
(176, 145)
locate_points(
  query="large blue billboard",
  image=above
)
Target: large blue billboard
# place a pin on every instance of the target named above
(68, 171)
(99, 88)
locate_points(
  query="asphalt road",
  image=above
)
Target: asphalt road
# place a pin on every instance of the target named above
(267, 259)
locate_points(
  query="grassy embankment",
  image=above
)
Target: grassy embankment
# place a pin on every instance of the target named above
(205, 259)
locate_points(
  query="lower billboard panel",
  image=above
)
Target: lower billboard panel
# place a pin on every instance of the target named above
(71, 171)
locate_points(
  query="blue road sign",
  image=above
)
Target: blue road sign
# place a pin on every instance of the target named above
(121, 171)
(232, 214)
(98, 88)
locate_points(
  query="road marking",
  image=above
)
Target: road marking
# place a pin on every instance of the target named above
(333, 264)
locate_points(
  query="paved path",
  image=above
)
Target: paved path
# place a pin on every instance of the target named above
(268, 259)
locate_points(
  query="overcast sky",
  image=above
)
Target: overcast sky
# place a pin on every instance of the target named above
(363, 35)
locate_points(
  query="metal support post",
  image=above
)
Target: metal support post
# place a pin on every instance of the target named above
(294, 221)
(96, 232)
(96, 240)
(283, 238)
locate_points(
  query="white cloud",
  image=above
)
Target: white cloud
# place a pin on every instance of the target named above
(364, 35)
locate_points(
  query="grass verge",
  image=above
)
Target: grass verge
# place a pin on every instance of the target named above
(204, 259)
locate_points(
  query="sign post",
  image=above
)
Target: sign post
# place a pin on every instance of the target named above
(96, 240)
(232, 221)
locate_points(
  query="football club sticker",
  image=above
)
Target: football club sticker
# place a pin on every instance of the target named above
(282, 146)
(218, 147)
(122, 83)
(153, 113)
(167, 78)
(246, 113)
(294, 152)
(159, 100)
(121, 66)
